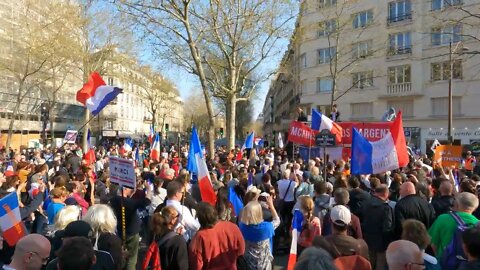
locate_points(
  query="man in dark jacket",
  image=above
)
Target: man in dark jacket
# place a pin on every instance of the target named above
(357, 197)
(444, 203)
(132, 222)
(412, 206)
(378, 226)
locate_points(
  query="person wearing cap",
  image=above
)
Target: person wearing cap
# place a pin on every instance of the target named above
(340, 243)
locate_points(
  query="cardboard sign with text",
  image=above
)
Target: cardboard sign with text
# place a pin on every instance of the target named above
(122, 172)
(448, 155)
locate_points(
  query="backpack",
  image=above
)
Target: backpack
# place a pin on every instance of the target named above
(453, 256)
(352, 261)
(152, 256)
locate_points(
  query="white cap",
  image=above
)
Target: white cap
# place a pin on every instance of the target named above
(340, 215)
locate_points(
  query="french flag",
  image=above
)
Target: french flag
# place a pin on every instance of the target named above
(95, 94)
(155, 150)
(248, 144)
(9, 171)
(196, 161)
(152, 134)
(128, 145)
(321, 122)
(296, 230)
(386, 154)
(10, 220)
(235, 200)
(90, 154)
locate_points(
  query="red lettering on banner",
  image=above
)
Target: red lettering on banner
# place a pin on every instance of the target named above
(301, 134)
(372, 131)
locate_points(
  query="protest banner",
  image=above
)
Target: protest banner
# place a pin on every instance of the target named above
(448, 155)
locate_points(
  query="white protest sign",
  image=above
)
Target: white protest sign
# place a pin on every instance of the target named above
(122, 172)
(70, 136)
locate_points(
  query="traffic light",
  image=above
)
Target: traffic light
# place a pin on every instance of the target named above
(166, 127)
(44, 112)
(221, 131)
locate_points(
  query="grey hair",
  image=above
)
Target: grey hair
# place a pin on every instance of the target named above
(467, 201)
(101, 218)
(314, 258)
(66, 215)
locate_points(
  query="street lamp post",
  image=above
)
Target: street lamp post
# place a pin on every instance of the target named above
(450, 98)
(450, 95)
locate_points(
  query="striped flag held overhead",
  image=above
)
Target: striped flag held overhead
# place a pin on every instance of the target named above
(10, 219)
(296, 230)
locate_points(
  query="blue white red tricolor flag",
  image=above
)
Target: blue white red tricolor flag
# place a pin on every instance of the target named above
(9, 171)
(386, 154)
(236, 201)
(152, 135)
(248, 144)
(321, 122)
(95, 94)
(10, 220)
(196, 164)
(155, 150)
(89, 156)
(296, 230)
(128, 145)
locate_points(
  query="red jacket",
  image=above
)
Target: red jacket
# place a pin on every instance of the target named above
(216, 248)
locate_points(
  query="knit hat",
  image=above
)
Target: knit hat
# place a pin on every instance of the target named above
(78, 228)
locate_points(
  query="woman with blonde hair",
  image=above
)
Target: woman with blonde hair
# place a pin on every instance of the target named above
(311, 224)
(258, 234)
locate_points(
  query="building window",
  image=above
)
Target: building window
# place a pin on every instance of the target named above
(445, 35)
(362, 49)
(399, 74)
(362, 79)
(400, 43)
(441, 71)
(441, 4)
(406, 106)
(440, 106)
(303, 60)
(326, 55)
(362, 19)
(362, 110)
(303, 86)
(326, 3)
(399, 11)
(324, 84)
(327, 27)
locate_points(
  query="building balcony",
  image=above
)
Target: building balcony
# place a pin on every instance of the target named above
(399, 18)
(400, 51)
(399, 88)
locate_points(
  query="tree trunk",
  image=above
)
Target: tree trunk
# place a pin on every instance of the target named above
(14, 116)
(230, 121)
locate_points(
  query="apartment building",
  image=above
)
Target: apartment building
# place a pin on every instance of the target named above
(130, 114)
(367, 56)
(25, 84)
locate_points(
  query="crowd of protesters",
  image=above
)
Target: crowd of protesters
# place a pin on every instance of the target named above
(78, 219)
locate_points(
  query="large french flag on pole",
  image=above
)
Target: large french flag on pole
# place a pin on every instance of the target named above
(151, 135)
(321, 122)
(196, 161)
(95, 94)
(386, 154)
(296, 230)
(10, 220)
(248, 144)
(155, 150)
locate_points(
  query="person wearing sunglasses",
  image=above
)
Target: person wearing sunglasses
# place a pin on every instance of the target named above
(31, 252)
